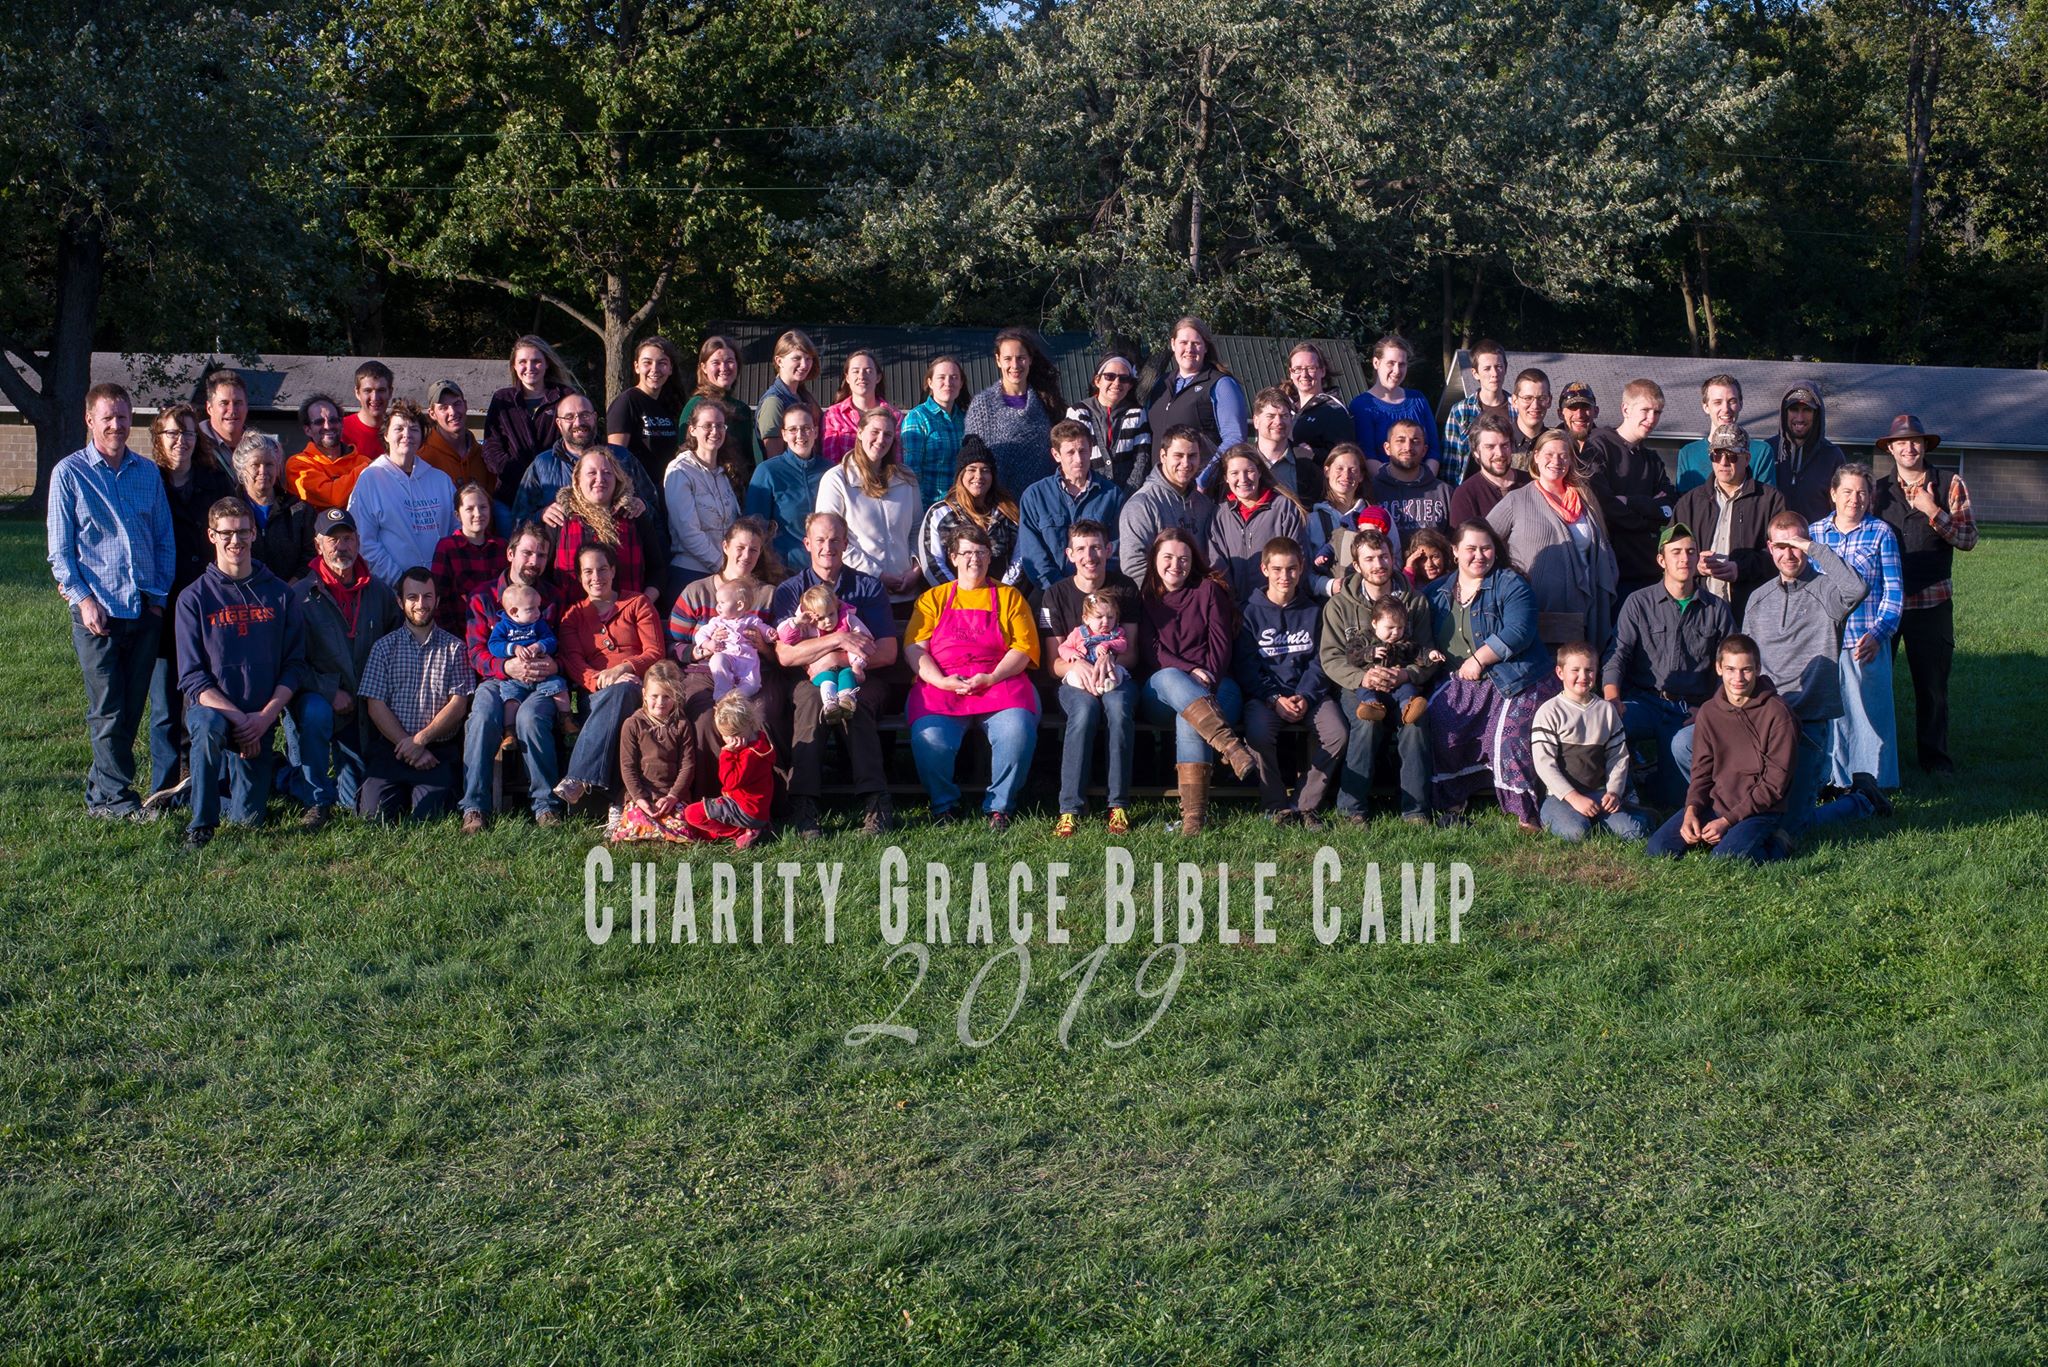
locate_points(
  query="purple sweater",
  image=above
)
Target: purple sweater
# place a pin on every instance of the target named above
(1188, 629)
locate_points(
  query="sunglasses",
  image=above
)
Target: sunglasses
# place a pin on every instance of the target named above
(1116, 378)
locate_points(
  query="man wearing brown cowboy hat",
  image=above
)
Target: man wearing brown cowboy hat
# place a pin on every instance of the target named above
(1928, 509)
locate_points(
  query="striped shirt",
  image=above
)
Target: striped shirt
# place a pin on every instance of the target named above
(415, 679)
(1873, 552)
(110, 532)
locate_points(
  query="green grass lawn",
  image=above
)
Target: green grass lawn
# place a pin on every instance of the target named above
(373, 1095)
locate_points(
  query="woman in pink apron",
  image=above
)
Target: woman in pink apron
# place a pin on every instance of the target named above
(971, 644)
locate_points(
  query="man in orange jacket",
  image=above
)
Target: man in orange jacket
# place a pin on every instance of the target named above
(324, 474)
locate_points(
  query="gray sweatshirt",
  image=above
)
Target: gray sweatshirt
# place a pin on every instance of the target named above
(1797, 625)
(1156, 506)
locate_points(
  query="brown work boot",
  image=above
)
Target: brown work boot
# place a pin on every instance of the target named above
(1194, 797)
(1216, 733)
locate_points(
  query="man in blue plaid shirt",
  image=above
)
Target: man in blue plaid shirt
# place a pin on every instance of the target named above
(112, 553)
(1490, 364)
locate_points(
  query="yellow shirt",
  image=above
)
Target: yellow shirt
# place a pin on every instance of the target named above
(1013, 614)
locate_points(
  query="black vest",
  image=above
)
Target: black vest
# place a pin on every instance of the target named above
(1925, 558)
(1194, 406)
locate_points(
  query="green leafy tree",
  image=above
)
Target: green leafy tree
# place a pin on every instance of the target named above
(155, 160)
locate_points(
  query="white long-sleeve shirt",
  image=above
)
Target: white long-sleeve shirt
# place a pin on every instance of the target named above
(400, 518)
(881, 533)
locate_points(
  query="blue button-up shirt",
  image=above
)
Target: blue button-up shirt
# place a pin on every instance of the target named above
(1873, 552)
(110, 532)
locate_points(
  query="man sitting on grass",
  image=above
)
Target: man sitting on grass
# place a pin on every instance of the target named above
(1744, 740)
(416, 689)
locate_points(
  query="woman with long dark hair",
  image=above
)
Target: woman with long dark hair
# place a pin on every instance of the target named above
(1187, 628)
(648, 416)
(520, 423)
(976, 498)
(1014, 416)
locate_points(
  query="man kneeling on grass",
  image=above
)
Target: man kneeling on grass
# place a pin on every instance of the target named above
(241, 657)
(1744, 739)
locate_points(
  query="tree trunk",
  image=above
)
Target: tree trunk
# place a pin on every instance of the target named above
(1699, 241)
(1204, 114)
(1445, 347)
(1692, 320)
(1923, 79)
(619, 327)
(1472, 303)
(57, 409)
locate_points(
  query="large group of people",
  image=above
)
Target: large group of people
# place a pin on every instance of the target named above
(674, 622)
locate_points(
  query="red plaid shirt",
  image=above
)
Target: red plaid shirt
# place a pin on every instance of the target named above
(460, 569)
(483, 614)
(1958, 527)
(629, 564)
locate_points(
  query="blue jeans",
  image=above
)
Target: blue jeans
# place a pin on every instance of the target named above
(315, 741)
(595, 758)
(1115, 713)
(166, 727)
(1562, 820)
(1809, 771)
(1749, 839)
(1657, 726)
(1169, 691)
(1361, 753)
(248, 779)
(935, 745)
(535, 728)
(116, 667)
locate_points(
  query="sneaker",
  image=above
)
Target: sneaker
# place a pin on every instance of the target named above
(547, 818)
(571, 790)
(1866, 784)
(880, 816)
(472, 823)
(1371, 711)
(1416, 818)
(112, 812)
(198, 837)
(849, 700)
(803, 818)
(942, 816)
(315, 818)
(1066, 825)
(1450, 820)
(998, 822)
(1119, 821)
(167, 796)
(828, 699)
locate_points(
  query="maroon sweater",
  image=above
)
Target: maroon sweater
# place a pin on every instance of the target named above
(1189, 629)
(1742, 756)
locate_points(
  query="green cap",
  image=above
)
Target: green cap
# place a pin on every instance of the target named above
(1676, 529)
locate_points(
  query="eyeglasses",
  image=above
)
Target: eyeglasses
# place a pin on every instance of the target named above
(176, 434)
(235, 533)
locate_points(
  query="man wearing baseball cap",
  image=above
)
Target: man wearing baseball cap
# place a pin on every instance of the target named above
(1579, 411)
(1660, 665)
(449, 446)
(1928, 510)
(1732, 513)
(343, 610)
(1804, 458)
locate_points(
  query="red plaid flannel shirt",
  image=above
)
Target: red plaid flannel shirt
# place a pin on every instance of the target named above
(460, 569)
(629, 564)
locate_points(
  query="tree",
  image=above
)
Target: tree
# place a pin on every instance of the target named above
(605, 157)
(154, 153)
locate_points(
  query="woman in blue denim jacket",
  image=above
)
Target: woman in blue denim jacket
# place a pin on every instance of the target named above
(1479, 717)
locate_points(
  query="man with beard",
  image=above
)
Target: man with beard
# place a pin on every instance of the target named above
(526, 562)
(1804, 459)
(416, 687)
(1579, 411)
(1928, 509)
(1494, 473)
(1412, 496)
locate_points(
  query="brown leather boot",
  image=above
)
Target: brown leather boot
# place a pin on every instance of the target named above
(1210, 726)
(1194, 797)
